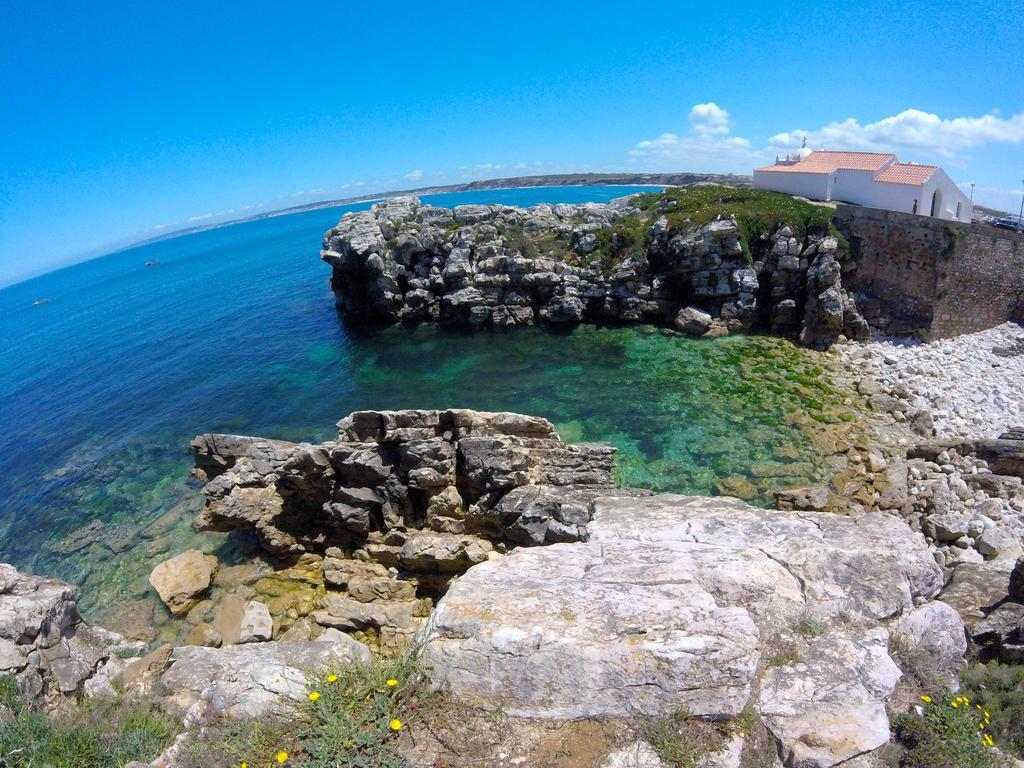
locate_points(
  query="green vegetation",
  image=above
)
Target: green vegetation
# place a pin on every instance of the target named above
(784, 654)
(810, 626)
(758, 212)
(102, 733)
(352, 719)
(953, 235)
(682, 741)
(952, 732)
(999, 689)
(627, 239)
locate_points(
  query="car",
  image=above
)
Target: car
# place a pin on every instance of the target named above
(1011, 224)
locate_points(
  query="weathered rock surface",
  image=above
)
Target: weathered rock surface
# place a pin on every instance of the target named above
(181, 580)
(252, 680)
(639, 754)
(54, 655)
(676, 603)
(1003, 631)
(35, 611)
(829, 707)
(379, 521)
(937, 630)
(498, 266)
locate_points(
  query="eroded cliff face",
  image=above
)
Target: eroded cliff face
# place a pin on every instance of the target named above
(633, 260)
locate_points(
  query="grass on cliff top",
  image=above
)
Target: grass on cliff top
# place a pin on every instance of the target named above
(101, 733)
(758, 212)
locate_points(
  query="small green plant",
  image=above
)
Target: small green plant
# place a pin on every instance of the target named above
(356, 713)
(254, 743)
(949, 732)
(810, 626)
(101, 733)
(999, 689)
(628, 238)
(953, 236)
(680, 740)
(784, 654)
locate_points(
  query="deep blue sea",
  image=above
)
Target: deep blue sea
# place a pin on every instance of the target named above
(104, 384)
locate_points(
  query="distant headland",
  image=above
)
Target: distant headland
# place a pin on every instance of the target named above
(512, 182)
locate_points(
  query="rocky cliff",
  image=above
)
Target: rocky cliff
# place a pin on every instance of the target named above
(644, 258)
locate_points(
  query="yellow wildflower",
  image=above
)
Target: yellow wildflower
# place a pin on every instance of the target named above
(988, 740)
(314, 695)
(332, 678)
(954, 704)
(245, 765)
(281, 757)
(396, 724)
(926, 699)
(392, 682)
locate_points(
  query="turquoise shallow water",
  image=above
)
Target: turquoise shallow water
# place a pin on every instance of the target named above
(234, 330)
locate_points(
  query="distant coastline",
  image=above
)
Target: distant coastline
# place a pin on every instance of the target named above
(511, 182)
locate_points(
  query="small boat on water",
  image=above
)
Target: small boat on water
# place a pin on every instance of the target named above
(152, 263)
(37, 302)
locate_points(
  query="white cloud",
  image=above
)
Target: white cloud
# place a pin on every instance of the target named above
(709, 120)
(910, 129)
(707, 147)
(414, 175)
(201, 217)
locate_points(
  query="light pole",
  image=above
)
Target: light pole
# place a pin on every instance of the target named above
(1020, 216)
(972, 193)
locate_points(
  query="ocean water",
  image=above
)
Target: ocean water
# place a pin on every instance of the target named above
(104, 384)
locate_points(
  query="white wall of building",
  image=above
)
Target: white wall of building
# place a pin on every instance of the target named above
(813, 186)
(860, 187)
(951, 195)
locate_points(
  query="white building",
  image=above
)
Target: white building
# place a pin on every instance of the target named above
(874, 179)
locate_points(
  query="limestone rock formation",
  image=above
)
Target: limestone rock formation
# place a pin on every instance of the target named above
(54, 656)
(251, 680)
(181, 580)
(387, 515)
(497, 266)
(680, 603)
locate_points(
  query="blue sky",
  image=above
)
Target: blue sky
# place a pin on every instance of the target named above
(120, 122)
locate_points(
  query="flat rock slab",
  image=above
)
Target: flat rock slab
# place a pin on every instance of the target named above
(674, 604)
(252, 680)
(873, 566)
(606, 629)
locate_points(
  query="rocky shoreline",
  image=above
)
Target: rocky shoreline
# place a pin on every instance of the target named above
(970, 385)
(644, 258)
(527, 584)
(524, 576)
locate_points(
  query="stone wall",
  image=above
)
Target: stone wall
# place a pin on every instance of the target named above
(916, 274)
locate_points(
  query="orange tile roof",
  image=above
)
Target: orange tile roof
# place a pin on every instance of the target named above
(824, 161)
(906, 173)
